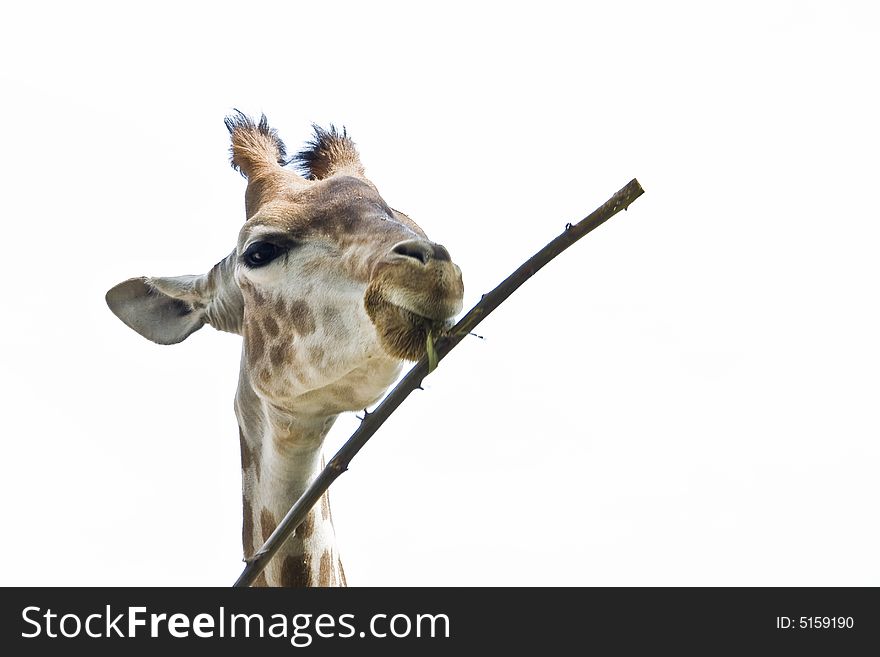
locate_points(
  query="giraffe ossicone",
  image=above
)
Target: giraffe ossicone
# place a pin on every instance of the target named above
(331, 290)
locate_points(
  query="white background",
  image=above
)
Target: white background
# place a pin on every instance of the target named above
(687, 397)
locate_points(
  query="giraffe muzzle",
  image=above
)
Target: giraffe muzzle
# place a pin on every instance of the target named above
(420, 277)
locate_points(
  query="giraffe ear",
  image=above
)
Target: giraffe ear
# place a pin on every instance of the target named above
(168, 310)
(152, 313)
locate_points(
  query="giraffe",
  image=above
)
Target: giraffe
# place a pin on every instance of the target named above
(332, 291)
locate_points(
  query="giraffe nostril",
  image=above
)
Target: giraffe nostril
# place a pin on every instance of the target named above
(440, 253)
(418, 249)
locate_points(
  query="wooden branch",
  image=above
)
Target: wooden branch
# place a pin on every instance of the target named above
(413, 380)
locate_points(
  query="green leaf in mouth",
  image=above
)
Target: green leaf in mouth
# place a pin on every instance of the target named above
(433, 359)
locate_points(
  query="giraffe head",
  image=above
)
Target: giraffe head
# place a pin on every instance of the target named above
(329, 286)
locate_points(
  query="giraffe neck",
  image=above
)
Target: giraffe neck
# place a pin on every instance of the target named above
(280, 456)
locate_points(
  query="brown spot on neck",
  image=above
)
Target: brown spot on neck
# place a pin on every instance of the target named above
(267, 523)
(333, 325)
(307, 528)
(278, 355)
(325, 506)
(247, 528)
(295, 571)
(341, 571)
(325, 570)
(258, 297)
(254, 340)
(316, 355)
(301, 317)
(270, 326)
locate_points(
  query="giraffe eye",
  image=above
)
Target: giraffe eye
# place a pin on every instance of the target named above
(261, 253)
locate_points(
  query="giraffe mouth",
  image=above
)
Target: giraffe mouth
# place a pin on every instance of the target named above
(439, 301)
(425, 321)
(410, 297)
(402, 330)
(436, 314)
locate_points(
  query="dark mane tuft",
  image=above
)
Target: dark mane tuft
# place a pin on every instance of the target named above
(242, 129)
(327, 151)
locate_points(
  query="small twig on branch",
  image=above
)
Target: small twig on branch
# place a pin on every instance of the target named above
(413, 380)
